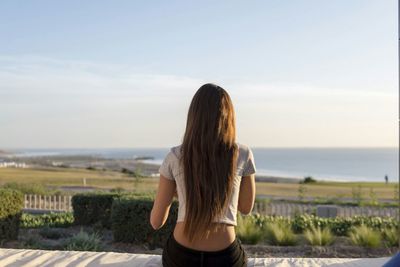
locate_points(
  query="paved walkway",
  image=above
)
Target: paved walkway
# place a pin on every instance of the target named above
(47, 258)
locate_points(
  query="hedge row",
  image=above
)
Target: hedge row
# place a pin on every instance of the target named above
(130, 218)
(11, 204)
(90, 208)
(126, 214)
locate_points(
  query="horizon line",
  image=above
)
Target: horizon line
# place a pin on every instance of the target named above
(166, 147)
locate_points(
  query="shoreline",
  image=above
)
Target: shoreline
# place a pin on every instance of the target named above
(150, 167)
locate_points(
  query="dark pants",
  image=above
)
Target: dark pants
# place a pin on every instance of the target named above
(176, 255)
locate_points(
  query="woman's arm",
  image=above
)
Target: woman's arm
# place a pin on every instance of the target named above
(247, 194)
(162, 202)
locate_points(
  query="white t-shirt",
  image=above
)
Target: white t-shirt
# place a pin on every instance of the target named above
(171, 169)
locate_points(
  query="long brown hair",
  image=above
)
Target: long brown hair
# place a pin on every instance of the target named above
(209, 154)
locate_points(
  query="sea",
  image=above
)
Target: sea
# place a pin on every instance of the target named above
(336, 164)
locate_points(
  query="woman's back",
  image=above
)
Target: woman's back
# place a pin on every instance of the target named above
(213, 178)
(224, 233)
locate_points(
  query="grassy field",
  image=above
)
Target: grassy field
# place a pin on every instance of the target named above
(328, 190)
(74, 177)
(111, 179)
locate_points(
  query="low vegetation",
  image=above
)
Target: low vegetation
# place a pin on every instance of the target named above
(51, 233)
(63, 219)
(31, 188)
(109, 179)
(315, 236)
(391, 237)
(364, 236)
(127, 214)
(341, 226)
(84, 241)
(247, 230)
(280, 234)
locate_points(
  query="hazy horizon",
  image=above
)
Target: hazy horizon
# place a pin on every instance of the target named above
(167, 147)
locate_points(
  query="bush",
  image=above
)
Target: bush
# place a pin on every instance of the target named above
(31, 242)
(52, 219)
(51, 233)
(300, 223)
(12, 202)
(248, 231)
(391, 237)
(90, 208)
(130, 219)
(341, 226)
(83, 242)
(319, 237)
(365, 237)
(136, 173)
(280, 234)
(357, 195)
(308, 180)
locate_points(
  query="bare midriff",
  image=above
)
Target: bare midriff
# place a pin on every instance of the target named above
(218, 239)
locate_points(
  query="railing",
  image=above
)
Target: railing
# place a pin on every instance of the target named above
(290, 209)
(49, 203)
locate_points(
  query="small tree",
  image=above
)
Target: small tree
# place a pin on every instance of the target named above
(357, 194)
(302, 190)
(373, 198)
(309, 180)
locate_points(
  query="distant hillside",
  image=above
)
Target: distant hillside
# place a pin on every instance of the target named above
(4, 153)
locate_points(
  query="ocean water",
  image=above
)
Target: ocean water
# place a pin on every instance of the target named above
(342, 164)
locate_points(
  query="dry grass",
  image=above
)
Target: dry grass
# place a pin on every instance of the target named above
(325, 190)
(74, 177)
(113, 179)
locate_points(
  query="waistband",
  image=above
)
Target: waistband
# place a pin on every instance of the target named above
(232, 247)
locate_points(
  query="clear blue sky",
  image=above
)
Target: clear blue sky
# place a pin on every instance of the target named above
(122, 73)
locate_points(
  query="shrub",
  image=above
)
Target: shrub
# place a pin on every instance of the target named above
(31, 242)
(340, 225)
(12, 202)
(365, 237)
(83, 242)
(319, 237)
(51, 233)
(280, 234)
(373, 198)
(52, 219)
(391, 237)
(301, 191)
(308, 180)
(357, 195)
(90, 208)
(130, 219)
(137, 173)
(248, 231)
(300, 223)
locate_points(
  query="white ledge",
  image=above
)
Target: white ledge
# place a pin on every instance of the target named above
(47, 258)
